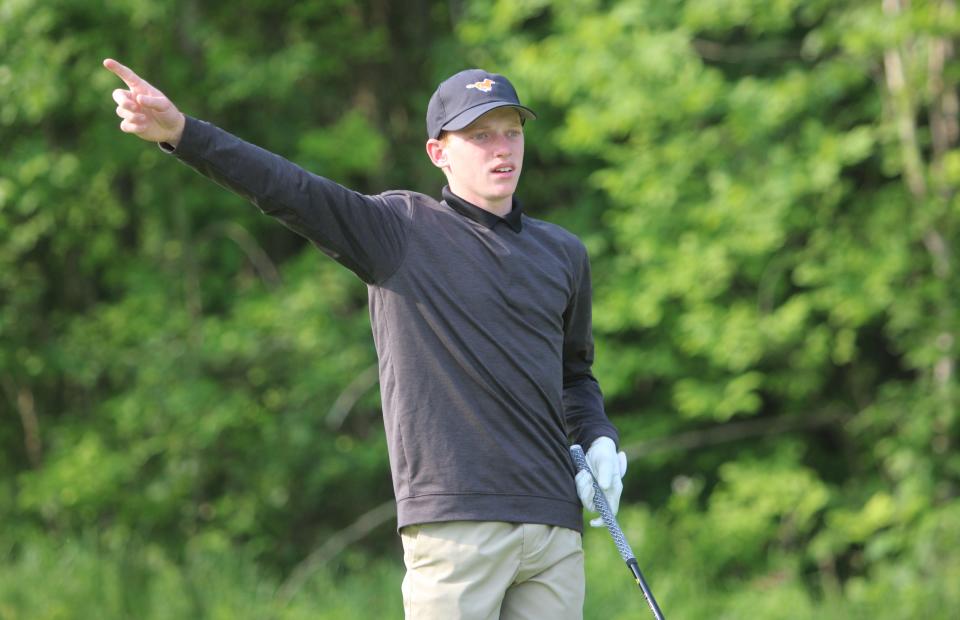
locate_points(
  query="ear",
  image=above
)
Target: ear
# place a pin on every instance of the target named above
(437, 153)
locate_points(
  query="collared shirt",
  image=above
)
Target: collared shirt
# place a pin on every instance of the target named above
(482, 216)
(483, 334)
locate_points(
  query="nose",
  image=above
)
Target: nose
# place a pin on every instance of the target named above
(502, 147)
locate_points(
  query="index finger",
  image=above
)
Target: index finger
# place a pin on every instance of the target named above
(124, 73)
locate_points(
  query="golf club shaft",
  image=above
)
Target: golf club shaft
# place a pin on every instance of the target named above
(600, 503)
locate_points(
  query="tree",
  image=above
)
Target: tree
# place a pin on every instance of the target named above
(771, 219)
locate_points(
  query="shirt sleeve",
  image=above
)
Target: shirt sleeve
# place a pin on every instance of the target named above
(582, 398)
(364, 233)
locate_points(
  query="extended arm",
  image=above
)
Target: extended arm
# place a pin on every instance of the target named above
(364, 233)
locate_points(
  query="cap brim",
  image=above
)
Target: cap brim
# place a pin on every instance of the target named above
(468, 116)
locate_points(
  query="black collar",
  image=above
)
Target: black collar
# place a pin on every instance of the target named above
(482, 216)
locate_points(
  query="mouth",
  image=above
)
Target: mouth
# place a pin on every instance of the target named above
(504, 170)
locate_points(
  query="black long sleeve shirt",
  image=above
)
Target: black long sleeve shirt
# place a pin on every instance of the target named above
(482, 327)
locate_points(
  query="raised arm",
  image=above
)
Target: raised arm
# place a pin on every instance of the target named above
(146, 112)
(364, 233)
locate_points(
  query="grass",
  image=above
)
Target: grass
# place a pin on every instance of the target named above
(109, 577)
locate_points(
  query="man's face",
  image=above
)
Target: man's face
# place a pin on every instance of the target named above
(483, 161)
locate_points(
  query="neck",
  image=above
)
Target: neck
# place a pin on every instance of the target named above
(499, 206)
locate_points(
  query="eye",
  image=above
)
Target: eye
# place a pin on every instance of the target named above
(480, 135)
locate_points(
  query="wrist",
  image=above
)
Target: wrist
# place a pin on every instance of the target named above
(177, 134)
(603, 440)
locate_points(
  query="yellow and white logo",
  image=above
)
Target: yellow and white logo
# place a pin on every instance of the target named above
(484, 86)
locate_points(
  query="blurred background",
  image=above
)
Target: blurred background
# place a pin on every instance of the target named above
(189, 415)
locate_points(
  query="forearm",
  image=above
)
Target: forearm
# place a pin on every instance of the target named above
(277, 186)
(583, 407)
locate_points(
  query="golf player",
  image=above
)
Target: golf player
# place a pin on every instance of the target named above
(481, 317)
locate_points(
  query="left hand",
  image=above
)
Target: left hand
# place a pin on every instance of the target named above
(608, 468)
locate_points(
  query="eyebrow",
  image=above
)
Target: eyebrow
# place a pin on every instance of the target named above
(487, 125)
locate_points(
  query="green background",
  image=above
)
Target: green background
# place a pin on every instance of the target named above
(189, 419)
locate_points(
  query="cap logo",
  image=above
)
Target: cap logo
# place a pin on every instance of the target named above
(484, 86)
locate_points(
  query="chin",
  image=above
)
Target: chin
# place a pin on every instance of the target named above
(503, 191)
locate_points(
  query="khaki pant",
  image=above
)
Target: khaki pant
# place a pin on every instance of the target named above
(489, 570)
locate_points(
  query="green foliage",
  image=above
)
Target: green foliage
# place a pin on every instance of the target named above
(678, 553)
(766, 255)
(767, 191)
(171, 356)
(115, 578)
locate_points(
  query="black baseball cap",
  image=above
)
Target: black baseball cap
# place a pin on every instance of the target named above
(462, 98)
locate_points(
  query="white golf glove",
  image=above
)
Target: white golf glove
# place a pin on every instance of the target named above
(608, 468)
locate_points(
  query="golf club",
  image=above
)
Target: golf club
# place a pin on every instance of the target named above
(600, 502)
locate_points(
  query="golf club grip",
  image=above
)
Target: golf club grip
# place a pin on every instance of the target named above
(600, 502)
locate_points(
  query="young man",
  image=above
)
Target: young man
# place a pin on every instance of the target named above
(481, 320)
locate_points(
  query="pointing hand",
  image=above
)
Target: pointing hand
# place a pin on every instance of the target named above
(146, 112)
